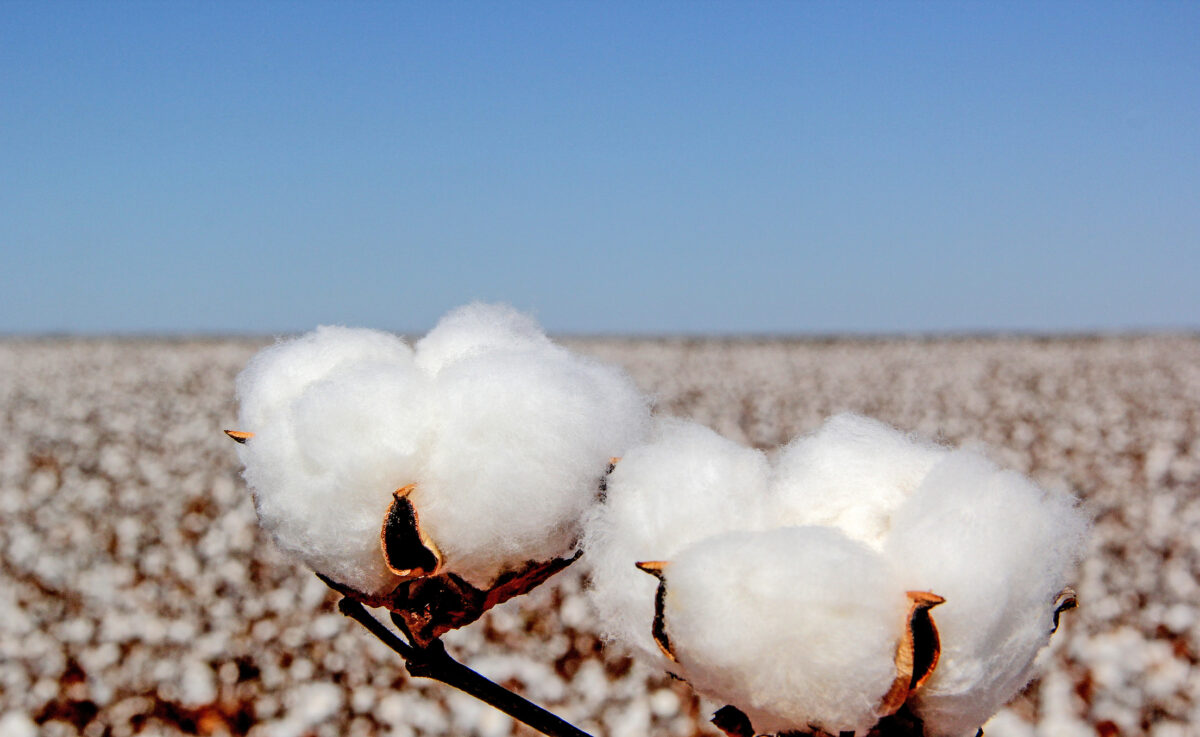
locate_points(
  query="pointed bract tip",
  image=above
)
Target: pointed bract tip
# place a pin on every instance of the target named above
(239, 436)
(404, 491)
(1066, 601)
(653, 567)
(925, 599)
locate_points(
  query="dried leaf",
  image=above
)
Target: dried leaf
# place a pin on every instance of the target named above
(917, 654)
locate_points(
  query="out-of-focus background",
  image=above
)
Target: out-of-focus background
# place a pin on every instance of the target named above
(137, 594)
(973, 221)
(616, 168)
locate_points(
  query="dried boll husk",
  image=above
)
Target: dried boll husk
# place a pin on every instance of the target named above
(799, 628)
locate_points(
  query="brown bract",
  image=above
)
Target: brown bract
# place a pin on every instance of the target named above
(239, 436)
(430, 602)
(917, 654)
(427, 607)
(659, 628)
(1066, 601)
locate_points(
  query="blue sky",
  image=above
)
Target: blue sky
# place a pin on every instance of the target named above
(639, 168)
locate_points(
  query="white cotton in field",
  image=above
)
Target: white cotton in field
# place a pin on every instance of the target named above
(338, 424)
(523, 440)
(852, 473)
(795, 626)
(479, 328)
(685, 484)
(506, 435)
(999, 549)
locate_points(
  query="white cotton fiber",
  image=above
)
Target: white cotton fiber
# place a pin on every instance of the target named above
(338, 423)
(771, 584)
(685, 484)
(796, 626)
(999, 549)
(523, 441)
(506, 436)
(853, 473)
(480, 328)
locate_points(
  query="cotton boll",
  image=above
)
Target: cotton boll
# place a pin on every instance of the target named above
(338, 420)
(797, 626)
(503, 436)
(478, 328)
(686, 483)
(523, 440)
(999, 550)
(853, 473)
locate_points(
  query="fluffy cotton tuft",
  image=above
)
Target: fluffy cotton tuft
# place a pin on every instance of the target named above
(999, 549)
(338, 423)
(853, 473)
(994, 545)
(505, 434)
(481, 328)
(685, 484)
(796, 626)
(522, 444)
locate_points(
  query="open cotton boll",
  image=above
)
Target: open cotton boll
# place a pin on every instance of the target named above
(686, 483)
(853, 473)
(999, 549)
(523, 440)
(478, 328)
(338, 422)
(797, 626)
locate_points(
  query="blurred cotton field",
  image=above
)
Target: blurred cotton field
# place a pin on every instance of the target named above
(138, 595)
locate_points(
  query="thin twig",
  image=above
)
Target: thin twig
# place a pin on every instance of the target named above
(434, 662)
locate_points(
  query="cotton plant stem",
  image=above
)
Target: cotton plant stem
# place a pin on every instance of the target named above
(434, 662)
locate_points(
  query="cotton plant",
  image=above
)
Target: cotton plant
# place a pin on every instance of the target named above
(436, 479)
(857, 581)
(863, 581)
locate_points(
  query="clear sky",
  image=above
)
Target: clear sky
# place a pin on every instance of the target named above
(641, 167)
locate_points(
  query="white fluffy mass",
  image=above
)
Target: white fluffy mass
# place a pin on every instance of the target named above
(686, 484)
(994, 545)
(339, 419)
(506, 435)
(853, 473)
(999, 550)
(797, 626)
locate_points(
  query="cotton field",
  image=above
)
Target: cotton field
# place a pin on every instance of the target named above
(138, 594)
